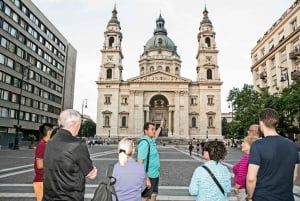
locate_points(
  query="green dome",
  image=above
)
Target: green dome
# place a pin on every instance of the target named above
(160, 40)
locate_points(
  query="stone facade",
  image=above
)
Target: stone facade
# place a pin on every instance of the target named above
(191, 109)
(276, 56)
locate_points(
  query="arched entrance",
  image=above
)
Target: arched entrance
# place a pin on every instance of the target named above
(158, 110)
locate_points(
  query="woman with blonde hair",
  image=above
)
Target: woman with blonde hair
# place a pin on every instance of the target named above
(240, 169)
(130, 175)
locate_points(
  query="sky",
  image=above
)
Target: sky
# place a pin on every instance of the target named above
(238, 25)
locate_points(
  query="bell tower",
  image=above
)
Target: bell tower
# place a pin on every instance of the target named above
(207, 63)
(111, 67)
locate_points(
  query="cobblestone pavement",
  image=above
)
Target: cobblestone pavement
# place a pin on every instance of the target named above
(177, 167)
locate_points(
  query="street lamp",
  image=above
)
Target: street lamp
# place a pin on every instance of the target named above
(206, 135)
(285, 76)
(18, 126)
(84, 105)
(230, 105)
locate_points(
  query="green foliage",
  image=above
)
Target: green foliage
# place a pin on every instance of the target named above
(31, 138)
(87, 129)
(225, 128)
(247, 104)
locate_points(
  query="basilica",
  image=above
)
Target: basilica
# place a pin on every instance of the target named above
(191, 109)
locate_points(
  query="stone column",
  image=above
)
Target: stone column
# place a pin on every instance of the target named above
(170, 124)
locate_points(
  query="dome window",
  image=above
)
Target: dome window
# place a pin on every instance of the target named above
(160, 41)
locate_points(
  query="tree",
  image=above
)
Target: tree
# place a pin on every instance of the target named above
(225, 128)
(245, 105)
(88, 128)
(248, 103)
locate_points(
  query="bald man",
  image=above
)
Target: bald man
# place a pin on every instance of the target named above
(254, 131)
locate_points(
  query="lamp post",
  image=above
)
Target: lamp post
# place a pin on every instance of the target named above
(108, 136)
(230, 105)
(18, 126)
(206, 135)
(285, 76)
(84, 105)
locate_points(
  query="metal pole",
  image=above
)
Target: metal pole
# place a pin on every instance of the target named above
(84, 104)
(18, 126)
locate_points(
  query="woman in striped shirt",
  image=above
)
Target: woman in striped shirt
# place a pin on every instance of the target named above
(240, 169)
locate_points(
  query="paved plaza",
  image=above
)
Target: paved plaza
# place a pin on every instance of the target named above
(177, 167)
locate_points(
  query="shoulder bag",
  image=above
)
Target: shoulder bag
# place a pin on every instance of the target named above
(214, 178)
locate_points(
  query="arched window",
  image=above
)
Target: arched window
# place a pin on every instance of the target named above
(142, 70)
(123, 121)
(151, 69)
(176, 71)
(209, 74)
(111, 41)
(167, 69)
(207, 42)
(106, 123)
(210, 122)
(108, 74)
(193, 122)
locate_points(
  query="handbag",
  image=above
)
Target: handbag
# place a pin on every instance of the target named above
(214, 178)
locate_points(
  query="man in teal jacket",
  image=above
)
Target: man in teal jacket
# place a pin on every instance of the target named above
(148, 145)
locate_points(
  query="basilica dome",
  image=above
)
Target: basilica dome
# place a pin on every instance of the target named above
(160, 40)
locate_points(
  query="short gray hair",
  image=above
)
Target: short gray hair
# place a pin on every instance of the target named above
(68, 117)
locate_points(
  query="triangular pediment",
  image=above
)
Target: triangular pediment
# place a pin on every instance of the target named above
(158, 76)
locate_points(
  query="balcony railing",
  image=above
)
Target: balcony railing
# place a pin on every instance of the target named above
(295, 75)
(263, 75)
(295, 54)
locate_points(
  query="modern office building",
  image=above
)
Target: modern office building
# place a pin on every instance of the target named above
(191, 109)
(37, 68)
(276, 56)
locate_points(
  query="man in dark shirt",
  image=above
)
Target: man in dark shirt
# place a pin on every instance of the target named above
(273, 163)
(67, 161)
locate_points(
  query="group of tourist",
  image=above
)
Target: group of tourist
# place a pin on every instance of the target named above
(266, 172)
(62, 163)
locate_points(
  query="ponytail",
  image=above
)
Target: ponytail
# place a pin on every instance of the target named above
(122, 157)
(125, 148)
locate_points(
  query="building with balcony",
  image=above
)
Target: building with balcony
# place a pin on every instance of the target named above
(37, 69)
(276, 56)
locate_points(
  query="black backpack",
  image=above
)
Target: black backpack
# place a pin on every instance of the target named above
(106, 190)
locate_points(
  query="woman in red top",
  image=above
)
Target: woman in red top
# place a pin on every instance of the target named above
(45, 131)
(240, 169)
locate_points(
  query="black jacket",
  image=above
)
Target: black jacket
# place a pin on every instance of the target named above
(66, 163)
